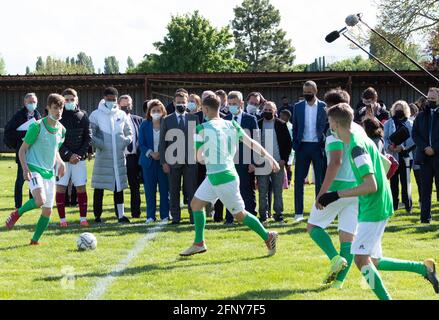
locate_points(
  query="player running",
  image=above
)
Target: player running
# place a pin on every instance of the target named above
(375, 205)
(216, 143)
(38, 156)
(339, 176)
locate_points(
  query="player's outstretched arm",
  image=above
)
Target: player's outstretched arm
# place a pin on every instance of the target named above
(258, 148)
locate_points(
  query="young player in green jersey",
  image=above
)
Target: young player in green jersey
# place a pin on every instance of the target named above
(375, 205)
(216, 143)
(338, 176)
(38, 156)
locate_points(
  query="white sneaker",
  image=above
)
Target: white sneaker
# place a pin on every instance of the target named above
(298, 217)
(165, 220)
(194, 249)
(149, 220)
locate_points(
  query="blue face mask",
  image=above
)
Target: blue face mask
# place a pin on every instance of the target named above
(53, 118)
(31, 107)
(191, 106)
(110, 104)
(234, 110)
(206, 118)
(70, 106)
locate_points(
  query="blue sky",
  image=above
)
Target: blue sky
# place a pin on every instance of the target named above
(128, 28)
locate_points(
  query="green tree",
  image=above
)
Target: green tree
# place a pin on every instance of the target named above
(2, 66)
(407, 17)
(192, 44)
(86, 61)
(54, 65)
(130, 64)
(39, 65)
(111, 65)
(28, 70)
(260, 42)
(357, 63)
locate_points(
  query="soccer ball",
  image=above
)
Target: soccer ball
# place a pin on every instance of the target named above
(86, 241)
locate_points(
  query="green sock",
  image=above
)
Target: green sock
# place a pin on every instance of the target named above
(373, 278)
(28, 206)
(253, 223)
(345, 252)
(200, 222)
(42, 224)
(389, 264)
(323, 240)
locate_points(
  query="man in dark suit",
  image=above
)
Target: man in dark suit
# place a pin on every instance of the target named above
(309, 123)
(425, 134)
(180, 160)
(244, 162)
(276, 139)
(132, 154)
(14, 138)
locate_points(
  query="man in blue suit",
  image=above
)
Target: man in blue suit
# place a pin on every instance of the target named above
(245, 163)
(309, 123)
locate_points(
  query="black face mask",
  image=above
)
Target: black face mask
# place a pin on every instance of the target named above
(267, 116)
(432, 104)
(127, 110)
(181, 108)
(399, 114)
(309, 97)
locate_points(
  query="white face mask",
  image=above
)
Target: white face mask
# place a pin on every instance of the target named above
(156, 116)
(252, 109)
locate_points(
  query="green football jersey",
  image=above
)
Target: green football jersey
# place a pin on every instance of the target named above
(366, 159)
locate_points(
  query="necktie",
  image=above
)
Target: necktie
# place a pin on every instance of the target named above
(181, 122)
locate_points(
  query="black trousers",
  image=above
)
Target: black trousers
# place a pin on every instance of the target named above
(403, 175)
(134, 172)
(98, 196)
(429, 171)
(418, 179)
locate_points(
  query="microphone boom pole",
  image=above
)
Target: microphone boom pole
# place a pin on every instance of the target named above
(398, 49)
(385, 65)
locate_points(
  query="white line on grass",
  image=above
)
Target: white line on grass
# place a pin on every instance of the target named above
(101, 286)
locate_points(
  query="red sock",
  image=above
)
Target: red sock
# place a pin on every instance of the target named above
(61, 204)
(82, 203)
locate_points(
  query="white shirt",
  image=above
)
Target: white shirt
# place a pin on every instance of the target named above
(310, 129)
(239, 116)
(156, 134)
(133, 130)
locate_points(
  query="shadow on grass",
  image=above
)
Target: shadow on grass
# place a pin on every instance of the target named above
(273, 294)
(153, 267)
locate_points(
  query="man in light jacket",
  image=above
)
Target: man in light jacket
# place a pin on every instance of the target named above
(111, 134)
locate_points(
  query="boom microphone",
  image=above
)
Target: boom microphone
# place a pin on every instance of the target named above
(334, 35)
(353, 19)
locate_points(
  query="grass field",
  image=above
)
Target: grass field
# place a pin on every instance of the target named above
(143, 261)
